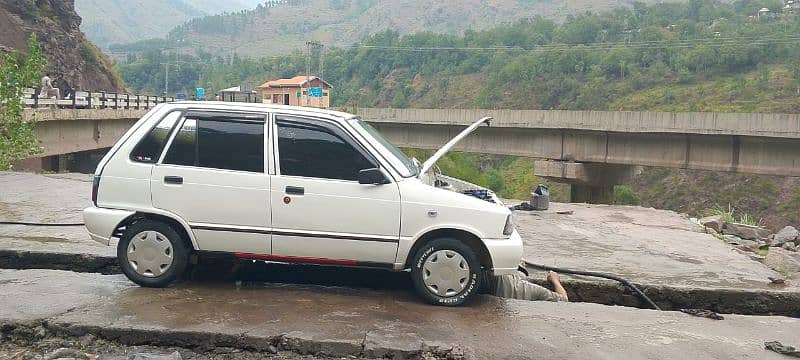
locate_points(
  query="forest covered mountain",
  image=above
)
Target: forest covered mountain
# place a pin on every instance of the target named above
(703, 55)
(281, 26)
(69, 55)
(108, 22)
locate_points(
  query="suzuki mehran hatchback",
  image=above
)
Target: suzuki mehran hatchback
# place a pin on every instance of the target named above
(292, 185)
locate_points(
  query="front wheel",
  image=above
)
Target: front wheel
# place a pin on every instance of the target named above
(446, 272)
(152, 254)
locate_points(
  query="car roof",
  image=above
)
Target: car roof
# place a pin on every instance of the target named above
(237, 106)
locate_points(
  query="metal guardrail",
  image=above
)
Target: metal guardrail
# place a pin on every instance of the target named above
(94, 100)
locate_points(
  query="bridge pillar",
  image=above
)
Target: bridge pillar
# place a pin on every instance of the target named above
(589, 182)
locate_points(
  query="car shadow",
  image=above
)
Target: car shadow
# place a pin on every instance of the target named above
(217, 270)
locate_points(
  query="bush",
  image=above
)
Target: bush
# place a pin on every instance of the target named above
(624, 195)
(17, 140)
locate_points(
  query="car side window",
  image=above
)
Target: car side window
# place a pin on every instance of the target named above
(184, 145)
(148, 150)
(219, 144)
(318, 150)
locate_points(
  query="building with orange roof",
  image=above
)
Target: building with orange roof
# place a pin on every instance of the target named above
(294, 91)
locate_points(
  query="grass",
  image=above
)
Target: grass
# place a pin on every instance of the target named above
(761, 252)
(726, 215)
(729, 216)
(767, 89)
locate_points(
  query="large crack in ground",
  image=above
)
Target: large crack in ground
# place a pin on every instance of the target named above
(26, 340)
(737, 301)
(38, 340)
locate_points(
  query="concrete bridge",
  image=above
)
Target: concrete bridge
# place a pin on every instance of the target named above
(592, 150)
(77, 132)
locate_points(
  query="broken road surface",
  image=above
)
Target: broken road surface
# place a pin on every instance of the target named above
(341, 321)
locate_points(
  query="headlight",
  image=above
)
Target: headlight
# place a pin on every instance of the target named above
(509, 228)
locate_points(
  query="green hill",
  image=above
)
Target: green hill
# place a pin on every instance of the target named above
(288, 24)
(108, 22)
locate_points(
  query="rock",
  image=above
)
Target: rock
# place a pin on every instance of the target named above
(789, 246)
(787, 234)
(147, 356)
(67, 353)
(777, 280)
(741, 244)
(756, 257)
(782, 261)
(304, 343)
(272, 349)
(713, 222)
(87, 340)
(747, 245)
(711, 232)
(732, 239)
(393, 345)
(747, 232)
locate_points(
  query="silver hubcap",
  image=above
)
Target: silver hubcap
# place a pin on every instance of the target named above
(150, 253)
(445, 273)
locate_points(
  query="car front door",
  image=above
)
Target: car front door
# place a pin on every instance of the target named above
(213, 176)
(320, 212)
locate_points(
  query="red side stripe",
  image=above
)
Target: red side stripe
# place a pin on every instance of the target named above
(296, 259)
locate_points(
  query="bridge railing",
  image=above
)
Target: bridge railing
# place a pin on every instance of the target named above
(93, 100)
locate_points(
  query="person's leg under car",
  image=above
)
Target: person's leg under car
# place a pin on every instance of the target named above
(517, 286)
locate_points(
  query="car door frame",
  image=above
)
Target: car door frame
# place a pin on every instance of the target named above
(370, 153)
(195, 227)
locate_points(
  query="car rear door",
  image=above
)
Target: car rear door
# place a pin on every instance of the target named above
(213, 175)
(320, 213)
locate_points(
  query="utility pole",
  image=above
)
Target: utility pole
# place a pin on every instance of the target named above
(309, 46)
(166, 78)
(308, 72)
(322, 75)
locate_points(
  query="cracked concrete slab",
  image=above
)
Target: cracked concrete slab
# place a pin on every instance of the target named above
(310, 319)
(678, 265)
(38, 294)
(643, 245)
(50, 198)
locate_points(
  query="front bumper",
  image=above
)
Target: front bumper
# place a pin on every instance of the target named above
(506, 254)
(101, 223)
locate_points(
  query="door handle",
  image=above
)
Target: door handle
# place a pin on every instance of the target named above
(173, 180)
(295, 190)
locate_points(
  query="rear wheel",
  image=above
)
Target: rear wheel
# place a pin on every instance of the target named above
(446, 272)
(152, 254)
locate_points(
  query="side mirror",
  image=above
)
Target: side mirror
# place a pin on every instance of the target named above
(372, 176)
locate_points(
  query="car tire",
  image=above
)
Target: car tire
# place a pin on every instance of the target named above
(158, 257)
(446, 272)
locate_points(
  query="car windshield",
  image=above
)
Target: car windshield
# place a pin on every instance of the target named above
(399, 161)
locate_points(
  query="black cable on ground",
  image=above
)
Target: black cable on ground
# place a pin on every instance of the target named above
(39, 224)
(595, 274)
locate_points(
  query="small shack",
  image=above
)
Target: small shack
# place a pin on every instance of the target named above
(239, 93)
(300, 90)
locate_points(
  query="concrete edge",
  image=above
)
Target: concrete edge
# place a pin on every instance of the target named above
(674, 298)
(23, 259)
(296, 342)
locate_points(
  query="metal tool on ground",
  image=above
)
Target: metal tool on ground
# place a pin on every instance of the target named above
(624, 282)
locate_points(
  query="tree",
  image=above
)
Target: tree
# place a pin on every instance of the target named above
(17, 140)
(795, 66)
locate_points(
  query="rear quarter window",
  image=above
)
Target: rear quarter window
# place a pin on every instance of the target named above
(226, 143)
(150, 146)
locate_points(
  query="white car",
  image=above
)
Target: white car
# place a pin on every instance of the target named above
(291, 185)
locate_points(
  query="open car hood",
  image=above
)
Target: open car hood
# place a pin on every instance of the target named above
(428, 164)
